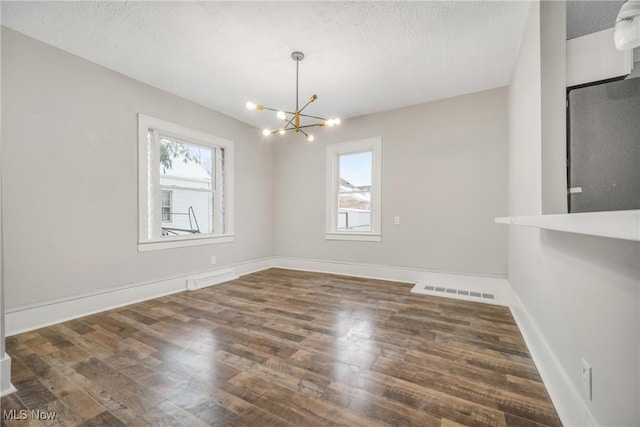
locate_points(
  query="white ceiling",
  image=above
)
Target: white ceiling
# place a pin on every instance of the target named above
(360, 57)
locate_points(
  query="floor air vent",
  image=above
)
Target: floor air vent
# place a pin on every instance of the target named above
(452, 292)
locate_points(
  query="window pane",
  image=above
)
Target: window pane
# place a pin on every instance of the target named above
(354, 212)
(355, 171)
(150, 182)
(166, 198)
(354, 192)
(185, 165)
(222, 197)
(166, 214)
(166, 206)
(191, 213)
(187, 169)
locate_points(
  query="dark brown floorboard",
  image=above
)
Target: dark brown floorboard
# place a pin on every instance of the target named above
(282, 348)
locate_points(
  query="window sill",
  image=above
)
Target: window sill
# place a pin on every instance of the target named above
(182, 242)
(362, 237)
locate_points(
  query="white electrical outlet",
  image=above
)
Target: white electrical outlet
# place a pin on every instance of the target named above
(586, 379)
(396, 220)
(213, 259)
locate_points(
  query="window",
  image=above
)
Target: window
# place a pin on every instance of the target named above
(353, 190)
(166, 205)
(185, 186)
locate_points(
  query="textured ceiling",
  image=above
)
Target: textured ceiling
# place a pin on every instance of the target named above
(586, 17)
(360, 57)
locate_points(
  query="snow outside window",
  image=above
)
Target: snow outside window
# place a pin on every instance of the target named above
(353, 190)
(185, 186)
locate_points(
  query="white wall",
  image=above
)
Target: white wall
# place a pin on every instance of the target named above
(70, 193)
(581, 292)
(554, 116)
(5, 368)
(443, 172)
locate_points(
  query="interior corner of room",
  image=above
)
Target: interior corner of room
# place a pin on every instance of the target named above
(494, 190)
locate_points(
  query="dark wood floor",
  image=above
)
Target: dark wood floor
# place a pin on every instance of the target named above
(283, 348)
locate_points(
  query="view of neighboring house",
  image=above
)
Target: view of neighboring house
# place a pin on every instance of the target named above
(186, 203)
(354, 191)
(354, 213)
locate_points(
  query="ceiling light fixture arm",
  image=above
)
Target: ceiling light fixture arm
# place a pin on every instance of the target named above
(313, 98)
(273, 109)
(312, 117)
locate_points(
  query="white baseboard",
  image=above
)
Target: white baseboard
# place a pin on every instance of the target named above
(210, 278)
(564, 395)
(373, 271)
(5, 376)
(225, 274)
(496, 285)
(33, 316)
(252, 266)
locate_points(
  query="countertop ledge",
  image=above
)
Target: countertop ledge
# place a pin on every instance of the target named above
(623, 225)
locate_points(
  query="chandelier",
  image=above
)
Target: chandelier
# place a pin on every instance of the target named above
(292, 119)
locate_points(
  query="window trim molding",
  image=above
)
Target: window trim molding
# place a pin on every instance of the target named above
(181, 133)
(332, 152)
(361, 237)
(169, 242)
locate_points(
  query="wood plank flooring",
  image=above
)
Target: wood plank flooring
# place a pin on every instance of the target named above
(282, 348)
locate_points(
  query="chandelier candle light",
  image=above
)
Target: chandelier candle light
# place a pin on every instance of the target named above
(292, 118)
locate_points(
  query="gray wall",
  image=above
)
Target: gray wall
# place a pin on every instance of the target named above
(582, 292)
(70, 192)
(443, 172)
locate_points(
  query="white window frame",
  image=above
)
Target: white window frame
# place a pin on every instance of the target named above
(332, 188)
(181, 133)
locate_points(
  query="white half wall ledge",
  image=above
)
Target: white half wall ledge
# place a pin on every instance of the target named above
(594, 57)
(624, 225)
